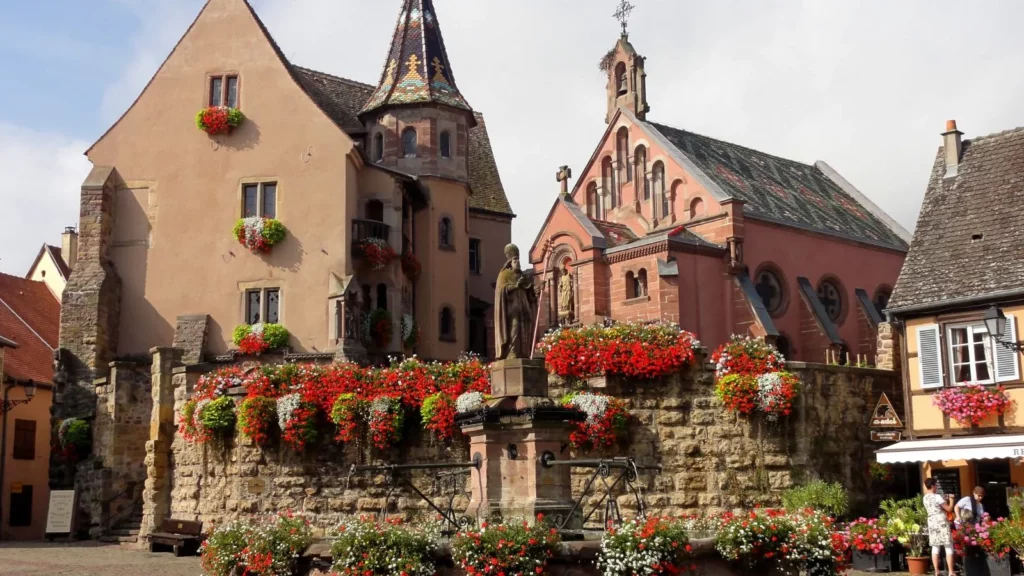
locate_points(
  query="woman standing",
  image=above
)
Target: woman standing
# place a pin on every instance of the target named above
(938, 524)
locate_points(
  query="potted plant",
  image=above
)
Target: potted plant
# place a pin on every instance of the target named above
(870, 542)
(906, 521)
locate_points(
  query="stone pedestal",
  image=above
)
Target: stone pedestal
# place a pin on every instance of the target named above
(510, 436)
(350, 350)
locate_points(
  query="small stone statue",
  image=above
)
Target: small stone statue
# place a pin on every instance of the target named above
(565, 296)
(515, 306)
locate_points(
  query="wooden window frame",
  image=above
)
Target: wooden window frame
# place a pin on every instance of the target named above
(261, 209)
(24, 442)
(264, 304)
(221, 99)
(946, 321)
(973, 329)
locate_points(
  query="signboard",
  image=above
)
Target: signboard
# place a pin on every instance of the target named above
(257, 485)
(886, 435)
(948, 481)
(61, 513)
(885, 415)
(16, 487)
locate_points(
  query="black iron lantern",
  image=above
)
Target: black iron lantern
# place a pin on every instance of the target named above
(995, 322)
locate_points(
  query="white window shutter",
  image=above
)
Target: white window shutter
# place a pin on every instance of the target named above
(928, 356)
(1007, 360)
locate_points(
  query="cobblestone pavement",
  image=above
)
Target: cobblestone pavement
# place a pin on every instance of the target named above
(90, 559)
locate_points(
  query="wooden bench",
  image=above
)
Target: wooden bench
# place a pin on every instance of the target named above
(181, 535)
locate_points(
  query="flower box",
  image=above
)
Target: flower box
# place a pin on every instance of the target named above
(258, 235)
(999, 566)
(219, 119)
(972, 404)
(867, 562)
(376, 252)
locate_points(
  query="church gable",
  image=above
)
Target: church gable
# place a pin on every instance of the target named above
(566, 224)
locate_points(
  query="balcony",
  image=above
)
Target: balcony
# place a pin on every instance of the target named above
(365, 229)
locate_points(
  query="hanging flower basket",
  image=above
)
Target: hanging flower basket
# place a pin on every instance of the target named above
(411, 266)
(378, 329)
(745, 355)
(607, 420)
(377, 253)
(438, 416)
(771, 394)
(297, 420)
(385, 422)
(972, 404)
(410, 331)
(258, 338)
(75, 439)
(219, 119)
(346, 413)
(881, 473)
(258, 235)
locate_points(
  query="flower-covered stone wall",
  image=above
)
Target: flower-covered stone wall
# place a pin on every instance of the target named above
(712, 459)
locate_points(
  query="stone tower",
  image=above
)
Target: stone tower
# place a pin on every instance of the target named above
(627, 81)
(417, 121)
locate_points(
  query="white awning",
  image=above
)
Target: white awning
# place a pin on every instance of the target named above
(964, 448)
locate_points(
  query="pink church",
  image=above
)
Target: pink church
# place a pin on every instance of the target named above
(667, 224)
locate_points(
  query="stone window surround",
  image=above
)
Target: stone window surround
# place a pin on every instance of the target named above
(260, 181)
(263, 285)
(224, 75)
(450, 246)
(403, 152)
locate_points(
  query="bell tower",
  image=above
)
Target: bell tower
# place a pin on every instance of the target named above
(627, 81)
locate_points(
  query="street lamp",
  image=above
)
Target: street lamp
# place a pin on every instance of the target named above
(30, 393)
(995, 324)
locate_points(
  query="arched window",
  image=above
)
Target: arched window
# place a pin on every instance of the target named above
(444, 233)
(447, 325)
(622, 153)
(641, 283)
(632, 286)
(640, 162)
(375, 210)
(620, 78)
(593, 202)
(831, 296)
(378, 147)
(608, 182)
(771, 289)
(446, 144)
(696, 208)
(382, 296)
(658, 181)
(409, 143)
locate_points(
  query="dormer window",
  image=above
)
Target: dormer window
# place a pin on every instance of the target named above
(224, 91)
(446, 144)
(409, 143)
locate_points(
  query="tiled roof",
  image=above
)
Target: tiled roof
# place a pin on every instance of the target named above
(30, 316)
(58, 259)
(417, 69)
(781, 190)
(341, 99)
(615, 234)
(970, 232)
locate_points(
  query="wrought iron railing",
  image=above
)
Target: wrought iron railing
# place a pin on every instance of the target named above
(366, 229)
(448, 482)
(627, 481)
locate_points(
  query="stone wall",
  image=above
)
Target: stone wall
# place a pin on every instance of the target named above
(712, 460)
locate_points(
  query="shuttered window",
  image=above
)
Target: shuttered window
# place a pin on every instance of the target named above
(928, 356)
(1007, 361)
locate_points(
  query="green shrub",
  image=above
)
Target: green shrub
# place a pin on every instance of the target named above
(369, 547)
(273, 231)
(218, 416)
(275, 335)
(240, 332)
(826, 497)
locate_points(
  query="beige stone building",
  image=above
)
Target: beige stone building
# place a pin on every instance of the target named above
(337, 162)
(53, 264)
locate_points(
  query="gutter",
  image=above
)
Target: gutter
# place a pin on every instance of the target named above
(962, 301)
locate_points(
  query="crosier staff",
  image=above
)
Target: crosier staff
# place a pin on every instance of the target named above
(540, 301)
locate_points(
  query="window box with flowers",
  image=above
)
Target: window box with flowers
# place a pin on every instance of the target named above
(258, 234)
(411, 266)
(256, 339)
(217, 120)
(745, 355)
(376, 252)
(972, 404)
(607, 420)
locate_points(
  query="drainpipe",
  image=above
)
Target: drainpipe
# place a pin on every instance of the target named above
(3, 459)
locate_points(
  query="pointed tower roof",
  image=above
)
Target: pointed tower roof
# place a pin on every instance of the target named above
(417, 70)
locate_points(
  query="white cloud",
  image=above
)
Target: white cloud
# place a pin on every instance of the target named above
(44, 175)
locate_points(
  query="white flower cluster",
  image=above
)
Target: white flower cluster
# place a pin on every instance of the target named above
(408, 326)
(382, 405)
(720, 368)
(768, 389)
(285, 406)
(624, 553)
(256, 329)
(593, 405)
(197, 414)
(358, 548)
(253, 226)
(468, 402)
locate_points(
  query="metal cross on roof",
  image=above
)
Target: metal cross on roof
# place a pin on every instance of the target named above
(622, 14)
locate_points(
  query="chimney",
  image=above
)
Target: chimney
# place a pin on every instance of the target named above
(952, 147)
(69, 246)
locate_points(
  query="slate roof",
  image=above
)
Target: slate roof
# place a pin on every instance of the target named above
(969, 236)
(781, 190)
(341, 99)
(417, 69)
(29, 316)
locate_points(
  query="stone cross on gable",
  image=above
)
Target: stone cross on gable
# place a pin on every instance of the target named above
(563, 176)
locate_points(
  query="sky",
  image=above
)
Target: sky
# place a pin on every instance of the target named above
(866, 86)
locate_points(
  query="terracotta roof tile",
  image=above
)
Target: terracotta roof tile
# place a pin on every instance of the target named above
(969, 233)
(30, 316)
